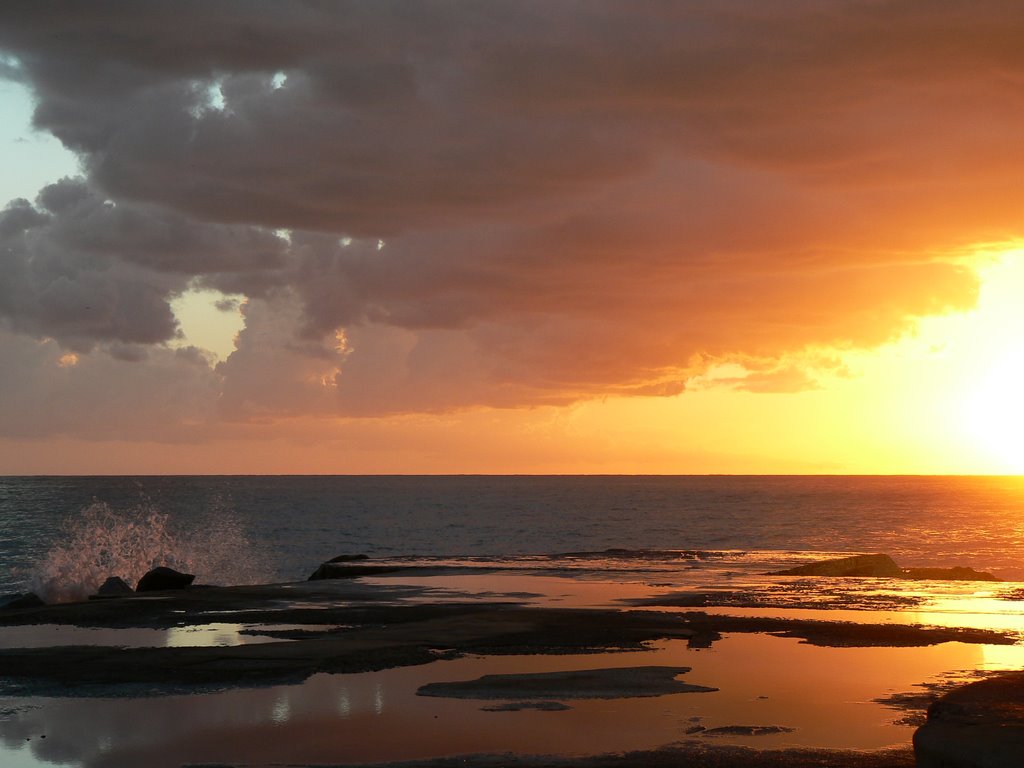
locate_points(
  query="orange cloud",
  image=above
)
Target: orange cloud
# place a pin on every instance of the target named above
(508, 204)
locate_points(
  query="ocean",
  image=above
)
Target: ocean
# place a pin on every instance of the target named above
(271, 528)
(663, 545)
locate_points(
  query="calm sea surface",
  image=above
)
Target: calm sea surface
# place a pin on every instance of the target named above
(279, 528)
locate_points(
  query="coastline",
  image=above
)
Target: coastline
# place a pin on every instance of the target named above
(415, 630)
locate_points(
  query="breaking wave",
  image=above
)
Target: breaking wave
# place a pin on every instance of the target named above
(100, 542)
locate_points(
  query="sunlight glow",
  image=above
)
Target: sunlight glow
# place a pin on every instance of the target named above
(995, 411)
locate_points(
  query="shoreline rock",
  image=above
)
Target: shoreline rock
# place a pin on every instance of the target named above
(351, 627)
(25, 600)
(881, 566)
(979, 725)
(115, 586)
(161, 578)
(343, 569)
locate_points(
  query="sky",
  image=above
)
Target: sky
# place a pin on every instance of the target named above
(511, 237)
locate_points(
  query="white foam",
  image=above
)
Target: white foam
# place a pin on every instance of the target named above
(100, 542)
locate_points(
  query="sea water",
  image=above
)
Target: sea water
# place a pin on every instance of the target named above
(548, 541)
(272, 528)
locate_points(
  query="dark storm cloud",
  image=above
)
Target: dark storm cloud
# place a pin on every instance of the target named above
(79, 268)
(45, 392)
(509, 203)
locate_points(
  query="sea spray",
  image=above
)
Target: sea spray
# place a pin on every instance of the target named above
(100, 542)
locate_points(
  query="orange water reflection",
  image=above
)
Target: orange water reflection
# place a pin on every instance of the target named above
(825, 694)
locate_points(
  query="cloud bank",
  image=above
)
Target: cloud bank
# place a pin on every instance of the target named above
(437, 205)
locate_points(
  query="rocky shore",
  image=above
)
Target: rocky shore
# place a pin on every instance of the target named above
(347, 625)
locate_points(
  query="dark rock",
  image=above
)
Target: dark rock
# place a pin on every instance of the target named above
(957, 573)
(26, 600)
(881, 566)
(519, 706)
(980, 725)
(161, 578)
(348, 558)
(746, 730)
(115, 586)
(341, 570)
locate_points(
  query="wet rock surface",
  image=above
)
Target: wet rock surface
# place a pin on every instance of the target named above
(882, 567)
(956, 573)
(746, 730)
(344, 569)
(351, 626)
(980, 725)
(613, 683)
(348, 626)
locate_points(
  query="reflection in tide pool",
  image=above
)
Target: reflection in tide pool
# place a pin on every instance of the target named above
(282, 711)
(51, 635)
(205, 635)
(1001, 657)
(827, 695)
(984, 609)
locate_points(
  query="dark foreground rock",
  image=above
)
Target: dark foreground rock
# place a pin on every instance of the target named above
(980, 725)
(161, 578)
(882, 567)
(26, 600)
(115, 586)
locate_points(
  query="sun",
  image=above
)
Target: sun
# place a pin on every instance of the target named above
(994, 412)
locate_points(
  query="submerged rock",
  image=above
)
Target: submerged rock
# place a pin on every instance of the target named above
(882, 567)
(613, 683)
(115, 586)
(519, 706)
(26, 600)
(162, 577)
(745, 730)
(980, 725)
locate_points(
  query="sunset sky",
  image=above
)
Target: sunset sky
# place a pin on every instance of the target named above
(512, 237)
